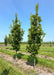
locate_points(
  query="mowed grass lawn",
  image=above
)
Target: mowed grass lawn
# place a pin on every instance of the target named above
(41, 61)
(7, 68)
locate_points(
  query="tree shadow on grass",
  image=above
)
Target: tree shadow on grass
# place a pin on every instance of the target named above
(5, 72)
(30, 60)
(19, 55)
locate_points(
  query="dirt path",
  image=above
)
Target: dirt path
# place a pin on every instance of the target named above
(23, 64)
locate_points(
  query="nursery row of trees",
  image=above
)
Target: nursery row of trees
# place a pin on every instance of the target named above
(48, 44)
(35, 36)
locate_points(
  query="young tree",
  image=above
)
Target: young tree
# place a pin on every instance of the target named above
(5, 40)
(36, 35)
(9, 39)
(16, 34)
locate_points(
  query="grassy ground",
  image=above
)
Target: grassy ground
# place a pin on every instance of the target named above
(22, 48)
(41, 61)
(47, 51)
(8, 69)
(47, 54)
(42, 48)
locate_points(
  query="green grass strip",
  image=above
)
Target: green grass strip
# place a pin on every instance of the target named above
(7, 68)
(41, 61)
(47, 54)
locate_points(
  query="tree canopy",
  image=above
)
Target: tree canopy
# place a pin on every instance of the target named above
(16, 33)
(36, 34)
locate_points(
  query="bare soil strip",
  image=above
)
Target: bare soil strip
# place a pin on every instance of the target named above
(23, 64)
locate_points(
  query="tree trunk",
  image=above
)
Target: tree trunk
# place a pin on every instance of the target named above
(34, 62)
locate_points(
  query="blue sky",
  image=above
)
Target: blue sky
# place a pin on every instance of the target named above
(24, 8)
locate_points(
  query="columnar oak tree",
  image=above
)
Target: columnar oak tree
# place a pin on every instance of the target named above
(36, 35)
(16, 34)
(5, 40)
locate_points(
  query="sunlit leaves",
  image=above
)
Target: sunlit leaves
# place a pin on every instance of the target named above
(36, 33)
(16, 33)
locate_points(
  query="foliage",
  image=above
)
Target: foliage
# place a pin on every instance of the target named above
(36, 34)
(9, 39)
(5, 40)
(1, 42)
(24, 43)
(16, 34)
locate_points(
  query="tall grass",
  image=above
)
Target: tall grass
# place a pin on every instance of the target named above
(8, 69)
